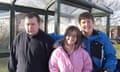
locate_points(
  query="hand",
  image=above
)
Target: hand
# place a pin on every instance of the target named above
(105, 71)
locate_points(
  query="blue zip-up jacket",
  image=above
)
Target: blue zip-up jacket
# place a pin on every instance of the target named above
(56, 36)
(101, 51)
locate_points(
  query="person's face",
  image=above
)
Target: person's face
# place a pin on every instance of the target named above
(31, 25)
(71, 38)
(87, 25)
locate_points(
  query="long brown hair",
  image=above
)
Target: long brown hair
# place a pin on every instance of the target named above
(79, 38)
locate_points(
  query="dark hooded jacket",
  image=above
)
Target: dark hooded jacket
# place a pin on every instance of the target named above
(30, 53)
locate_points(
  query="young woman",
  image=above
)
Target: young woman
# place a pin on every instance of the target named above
(69, 56)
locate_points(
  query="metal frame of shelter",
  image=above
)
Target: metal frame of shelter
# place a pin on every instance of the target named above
(84, 4)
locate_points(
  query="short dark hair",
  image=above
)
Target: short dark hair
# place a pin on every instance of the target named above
(79, 35)
(86, 15)
(32, 14)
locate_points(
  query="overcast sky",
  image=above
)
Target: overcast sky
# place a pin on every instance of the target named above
(115, 6)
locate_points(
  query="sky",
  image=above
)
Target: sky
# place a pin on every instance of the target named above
(115, 6)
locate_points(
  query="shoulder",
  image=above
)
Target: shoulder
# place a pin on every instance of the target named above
(57, 52)
(84, 54)
(20, 35)
(99, 35)
(44, 36)
(103, 36)
(82, 51)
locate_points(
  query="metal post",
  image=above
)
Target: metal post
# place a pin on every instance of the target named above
(108, 25)
(90, 10)
(46, 21)
(57, 16)
(12, 22)
(46, 15)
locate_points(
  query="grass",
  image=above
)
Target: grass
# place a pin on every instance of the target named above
(3, 64)
(117, 47)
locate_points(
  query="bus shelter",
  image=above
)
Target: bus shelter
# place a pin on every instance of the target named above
(47, 8)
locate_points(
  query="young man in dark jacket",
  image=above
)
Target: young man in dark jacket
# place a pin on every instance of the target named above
(30, 49)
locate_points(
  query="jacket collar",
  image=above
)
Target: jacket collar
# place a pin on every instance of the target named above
(95, 32)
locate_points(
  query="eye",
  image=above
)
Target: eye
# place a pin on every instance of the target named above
(28, 24)
(83, 22)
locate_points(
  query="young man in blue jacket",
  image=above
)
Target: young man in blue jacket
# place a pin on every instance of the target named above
(98, 45)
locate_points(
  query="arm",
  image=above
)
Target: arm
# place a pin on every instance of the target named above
(53, 66)
(12, 60)
(12, 63)
(87, 63)
(109, 55)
